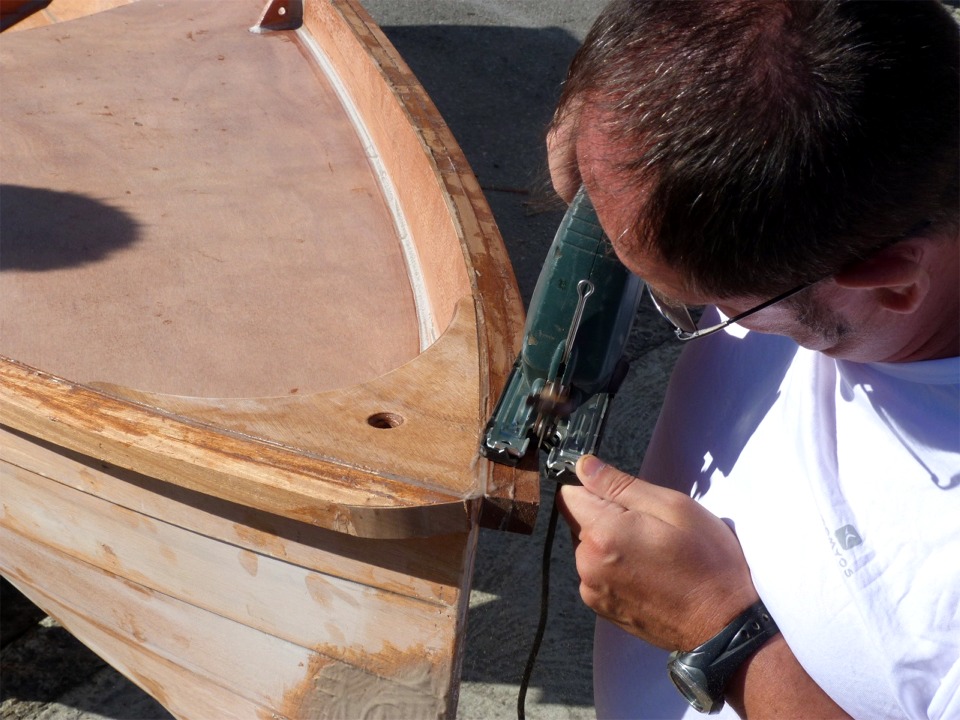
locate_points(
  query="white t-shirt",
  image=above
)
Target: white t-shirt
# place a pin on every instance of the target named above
(842, 481)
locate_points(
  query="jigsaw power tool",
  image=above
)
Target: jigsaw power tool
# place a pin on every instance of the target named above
(558, 393)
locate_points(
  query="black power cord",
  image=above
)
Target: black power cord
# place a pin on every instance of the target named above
(544, 607)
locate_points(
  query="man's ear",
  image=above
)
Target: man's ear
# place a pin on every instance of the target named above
(896, 275)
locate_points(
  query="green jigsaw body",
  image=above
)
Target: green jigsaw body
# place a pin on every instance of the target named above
(571, 362)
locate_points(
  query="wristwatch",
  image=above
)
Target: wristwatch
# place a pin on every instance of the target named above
(702, 675)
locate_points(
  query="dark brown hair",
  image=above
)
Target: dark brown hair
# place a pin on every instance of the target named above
(777, 141)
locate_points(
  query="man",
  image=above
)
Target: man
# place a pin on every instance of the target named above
(793, 165)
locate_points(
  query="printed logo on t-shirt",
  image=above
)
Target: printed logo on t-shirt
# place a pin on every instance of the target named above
(844, 539)
(848, 537)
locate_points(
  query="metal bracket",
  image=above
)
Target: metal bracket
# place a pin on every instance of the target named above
(279, 15)
(578, 435)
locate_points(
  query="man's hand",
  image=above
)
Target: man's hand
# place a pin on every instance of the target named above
(652, 560)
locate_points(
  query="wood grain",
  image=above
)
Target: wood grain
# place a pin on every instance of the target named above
(182, 598)
(419, 567)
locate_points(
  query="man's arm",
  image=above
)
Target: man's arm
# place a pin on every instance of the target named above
(773, 684)
(665, 569)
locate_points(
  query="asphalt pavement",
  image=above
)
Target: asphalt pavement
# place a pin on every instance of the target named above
(494, 68)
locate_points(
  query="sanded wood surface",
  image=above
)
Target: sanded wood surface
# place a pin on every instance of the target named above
(187, 209)
(280, 619)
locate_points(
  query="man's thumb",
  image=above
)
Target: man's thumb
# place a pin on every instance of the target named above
(605, 480)
(589, 467)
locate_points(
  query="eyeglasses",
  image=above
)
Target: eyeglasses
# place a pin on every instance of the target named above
(678, 314)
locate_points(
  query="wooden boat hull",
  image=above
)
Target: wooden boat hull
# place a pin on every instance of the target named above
(249, 555)
(290, 620)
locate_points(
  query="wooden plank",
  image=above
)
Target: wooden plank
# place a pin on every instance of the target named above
(151, 554)
(267, 594)
(146, 669)
(208, 649)
(203, 644)
(434, 448)
(423, 568)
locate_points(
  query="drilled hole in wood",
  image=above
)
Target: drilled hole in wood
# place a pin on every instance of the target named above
(385, 420)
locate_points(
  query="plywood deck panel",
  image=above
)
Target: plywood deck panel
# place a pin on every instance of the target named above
(206, 226)
(19, 15)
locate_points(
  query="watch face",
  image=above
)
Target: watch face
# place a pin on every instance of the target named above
(682, 686)
(692, 685)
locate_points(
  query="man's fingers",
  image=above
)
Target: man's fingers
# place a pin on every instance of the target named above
(627, 491)
(607, 492)
(579, 506)
(602, 479)
(582, 507)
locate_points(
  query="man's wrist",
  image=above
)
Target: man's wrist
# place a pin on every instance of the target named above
(703, 674)
(772, 683)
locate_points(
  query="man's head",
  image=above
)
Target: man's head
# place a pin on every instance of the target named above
(751, 146)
